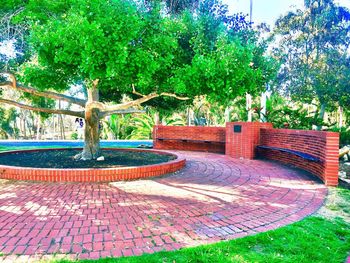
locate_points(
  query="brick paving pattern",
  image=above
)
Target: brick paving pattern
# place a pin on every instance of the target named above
(213, 198)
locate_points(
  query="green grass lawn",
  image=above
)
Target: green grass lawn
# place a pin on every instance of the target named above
(324, 237)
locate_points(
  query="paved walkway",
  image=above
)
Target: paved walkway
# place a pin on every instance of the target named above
(214, 198)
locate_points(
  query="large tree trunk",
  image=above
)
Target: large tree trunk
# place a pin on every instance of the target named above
(92, 148)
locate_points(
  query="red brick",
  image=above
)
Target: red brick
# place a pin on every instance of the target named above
(323, 145)
(175, 135)
(92, 175)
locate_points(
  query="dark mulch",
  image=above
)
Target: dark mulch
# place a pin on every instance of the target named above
(64, 159)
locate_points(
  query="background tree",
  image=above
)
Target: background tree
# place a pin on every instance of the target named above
(313, 45)
(8, 117)
(117, 48)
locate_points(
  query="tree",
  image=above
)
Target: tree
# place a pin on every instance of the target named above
(115, 48)
(8, 117)
(313, 45)
(178, 6)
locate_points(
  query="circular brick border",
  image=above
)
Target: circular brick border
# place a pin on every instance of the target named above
(93, 174)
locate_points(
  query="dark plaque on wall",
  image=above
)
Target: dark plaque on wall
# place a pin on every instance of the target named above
(237, 128)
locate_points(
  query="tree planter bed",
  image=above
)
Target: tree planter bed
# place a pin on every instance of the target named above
(158, 163)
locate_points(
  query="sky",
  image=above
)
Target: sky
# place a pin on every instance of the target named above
(269, 10)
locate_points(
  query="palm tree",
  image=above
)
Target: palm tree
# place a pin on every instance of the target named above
(143, 125)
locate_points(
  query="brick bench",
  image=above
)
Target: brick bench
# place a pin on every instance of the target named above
(303, 155)
(314, 151)
(189, 138)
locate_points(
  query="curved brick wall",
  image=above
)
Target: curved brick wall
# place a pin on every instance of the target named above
(199, 138)
(240, 140)
(92, 175)
(323, 145)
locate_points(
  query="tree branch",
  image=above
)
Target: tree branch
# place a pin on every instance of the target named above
(166, 94)
(139, 101)
(47, 94)
(47, 110)
(161, 94)
(107, 113)
(135, 92)
(129, 104)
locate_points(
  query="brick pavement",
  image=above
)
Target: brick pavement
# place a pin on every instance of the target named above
(213, 198)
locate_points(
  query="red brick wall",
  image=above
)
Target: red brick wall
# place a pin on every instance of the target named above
(243, 144)
(323, 145)
(214, 135)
